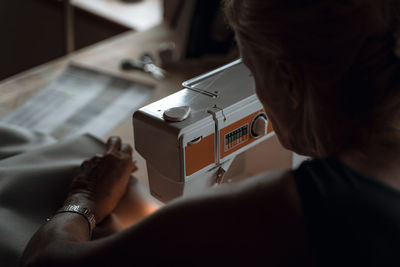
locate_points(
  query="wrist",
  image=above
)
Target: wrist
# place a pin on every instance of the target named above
(81, 199)
(82, 211)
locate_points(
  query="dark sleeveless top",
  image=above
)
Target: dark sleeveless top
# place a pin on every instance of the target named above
(351, 219)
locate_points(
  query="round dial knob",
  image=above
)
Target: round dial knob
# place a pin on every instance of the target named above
(259, 126)
(177, 114)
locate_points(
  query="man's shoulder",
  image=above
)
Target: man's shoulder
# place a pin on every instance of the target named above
(267, 204)
(262, 192)
(276, 186)
(264, 212)
(258, 220)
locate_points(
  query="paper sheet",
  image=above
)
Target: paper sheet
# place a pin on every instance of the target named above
(80, 101)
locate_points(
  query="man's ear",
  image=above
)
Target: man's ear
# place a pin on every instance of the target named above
(289, 82)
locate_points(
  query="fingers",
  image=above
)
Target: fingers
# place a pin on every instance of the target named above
(133, 167)
(126, 149)
(113, 144)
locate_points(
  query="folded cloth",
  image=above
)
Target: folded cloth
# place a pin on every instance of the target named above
(34, 181)
(15, 140)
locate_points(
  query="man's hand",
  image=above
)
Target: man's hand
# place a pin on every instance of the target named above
(102, 180)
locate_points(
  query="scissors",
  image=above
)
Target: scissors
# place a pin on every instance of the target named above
(146, 64)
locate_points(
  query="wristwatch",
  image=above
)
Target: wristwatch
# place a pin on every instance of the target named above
(85, 212)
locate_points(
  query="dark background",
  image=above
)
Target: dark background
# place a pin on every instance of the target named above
(32, 33)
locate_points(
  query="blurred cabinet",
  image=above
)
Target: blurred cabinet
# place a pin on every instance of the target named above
(32, 33)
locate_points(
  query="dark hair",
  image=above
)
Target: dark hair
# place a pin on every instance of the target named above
(342, 57)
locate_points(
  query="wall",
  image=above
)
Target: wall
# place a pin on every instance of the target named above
(32, 33)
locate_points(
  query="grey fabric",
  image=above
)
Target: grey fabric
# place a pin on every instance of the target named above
(15, 140)
(34, 181)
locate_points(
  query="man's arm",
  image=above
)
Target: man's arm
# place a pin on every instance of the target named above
(259, 220)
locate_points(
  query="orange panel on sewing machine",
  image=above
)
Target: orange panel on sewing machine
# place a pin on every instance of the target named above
(238, 135)
(200, 155)
(270, 129)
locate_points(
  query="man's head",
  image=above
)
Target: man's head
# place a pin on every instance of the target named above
(325, 70)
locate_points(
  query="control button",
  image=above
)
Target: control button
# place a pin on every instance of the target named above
(195, 141)
(177, 114)
(259, 126)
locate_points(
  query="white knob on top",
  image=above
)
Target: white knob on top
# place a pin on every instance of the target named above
(177, 114)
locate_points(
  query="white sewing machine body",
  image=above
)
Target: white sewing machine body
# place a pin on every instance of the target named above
(188, 156)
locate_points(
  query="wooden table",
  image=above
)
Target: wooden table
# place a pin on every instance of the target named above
(106, 57)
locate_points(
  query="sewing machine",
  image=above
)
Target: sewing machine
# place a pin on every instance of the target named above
(189, 139)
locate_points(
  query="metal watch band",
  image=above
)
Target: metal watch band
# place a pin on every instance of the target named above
(85, 212)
